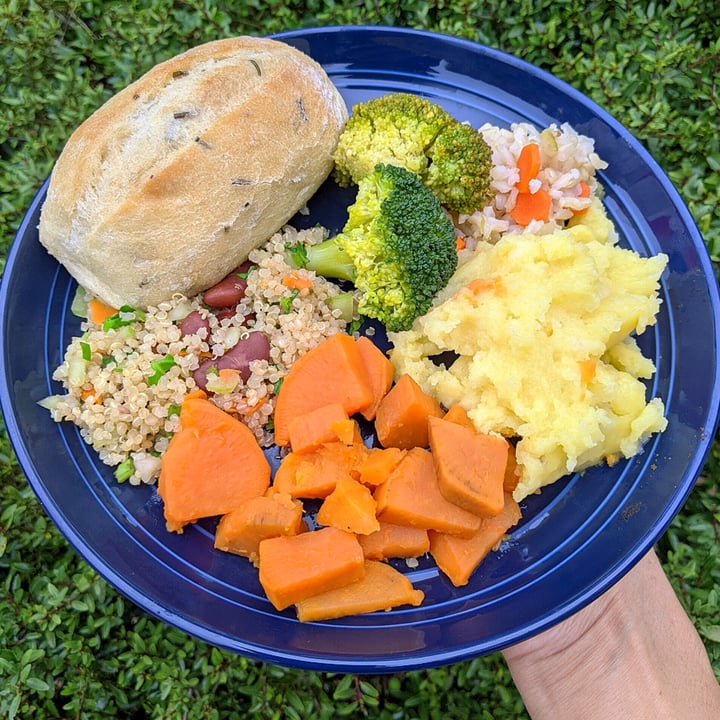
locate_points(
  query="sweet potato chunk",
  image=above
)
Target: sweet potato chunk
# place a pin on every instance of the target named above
(394, 541)
(296, 567)
(459, 557)
(350, 506)
(411, 496)
(315, 474)
(379, 463)
(382, 587)
(401, 419)
(241, 530)
(212, 465)
(470, 466)
(336, 366)
(320, 425)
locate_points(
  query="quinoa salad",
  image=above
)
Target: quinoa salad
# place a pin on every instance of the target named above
(124, 380)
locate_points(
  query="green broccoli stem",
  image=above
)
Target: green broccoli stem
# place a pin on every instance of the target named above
(345, 303)
(330, 260)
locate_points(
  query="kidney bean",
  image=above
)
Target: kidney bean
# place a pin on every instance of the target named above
(229, 291)
(255, 346)
(193, 322)
(225, 312)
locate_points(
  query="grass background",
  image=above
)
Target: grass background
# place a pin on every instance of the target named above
(72, 647)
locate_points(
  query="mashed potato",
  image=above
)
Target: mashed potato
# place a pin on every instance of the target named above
(540, 330)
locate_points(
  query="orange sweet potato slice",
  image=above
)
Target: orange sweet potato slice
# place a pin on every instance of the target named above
(308, 431)
(458, 414)
(295, 567)
(315, 474)
(470, 466)
(381, 587)
(350, 506)
(380, 372)
(212, 465)
(333, 369)
(401, 419)
(459, 557)
(379, 463)
(241, 530)
(411, 496)
(394, 541)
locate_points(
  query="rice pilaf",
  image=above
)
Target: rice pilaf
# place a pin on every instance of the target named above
(568, 158)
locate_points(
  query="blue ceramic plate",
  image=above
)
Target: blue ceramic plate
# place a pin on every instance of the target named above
(576, 539)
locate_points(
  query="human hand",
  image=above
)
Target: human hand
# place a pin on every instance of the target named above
(632, 653)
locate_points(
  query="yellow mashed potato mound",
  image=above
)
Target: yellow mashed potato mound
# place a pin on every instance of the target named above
(543, 328)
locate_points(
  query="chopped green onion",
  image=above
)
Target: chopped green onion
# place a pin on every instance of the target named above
(160, 367)
(86, 351)
(286, 302)
(277, 386)
(124, 470)
(173, 410)
(126, 315)
(297, 254)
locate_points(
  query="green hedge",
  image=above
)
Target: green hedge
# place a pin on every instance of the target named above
(70, 646)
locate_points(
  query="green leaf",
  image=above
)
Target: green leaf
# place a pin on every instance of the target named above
(35, 683)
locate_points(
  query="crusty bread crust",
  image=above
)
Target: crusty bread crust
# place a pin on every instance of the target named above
(171, 183)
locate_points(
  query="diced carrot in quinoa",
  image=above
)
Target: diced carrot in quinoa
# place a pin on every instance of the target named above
(394, 541)
(380, 373)
(470, 466)
(241, 530)
(411, 496)
(296, 567)
(402, 417)
(350, 506)
(315, 427)
(98, 311)
(459, 557)
(212, 465)
(333, 369)
(381, 587)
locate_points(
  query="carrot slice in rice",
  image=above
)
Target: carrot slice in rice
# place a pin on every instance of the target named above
(528, 164)
(531, 206)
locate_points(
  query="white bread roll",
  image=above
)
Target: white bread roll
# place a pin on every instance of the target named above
(170, 184)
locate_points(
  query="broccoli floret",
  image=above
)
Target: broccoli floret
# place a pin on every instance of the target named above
(459, 169)
(409, 131)
(397, 247)
(395, 129)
